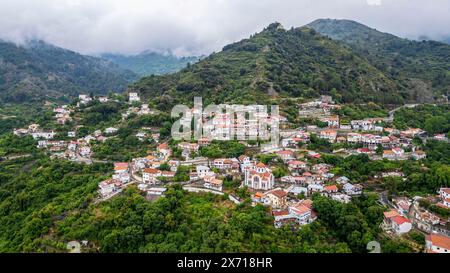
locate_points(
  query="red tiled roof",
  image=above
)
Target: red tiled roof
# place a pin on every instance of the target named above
(400, 220)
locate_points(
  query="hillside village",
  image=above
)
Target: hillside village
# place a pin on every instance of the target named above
(289, 194)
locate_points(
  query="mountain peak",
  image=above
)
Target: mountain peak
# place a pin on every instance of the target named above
(275, 26)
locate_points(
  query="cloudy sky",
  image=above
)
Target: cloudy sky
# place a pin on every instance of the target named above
(200, 26)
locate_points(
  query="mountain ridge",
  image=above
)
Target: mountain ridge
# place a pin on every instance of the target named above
(276, 62)
(420, 66)
(37, 70)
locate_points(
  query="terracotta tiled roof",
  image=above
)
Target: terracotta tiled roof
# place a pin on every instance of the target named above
(278, 193)
(439, 240)
(331, 188)
(300, 209)
(259, 194)
(391, 213)
(151, 171)
(280, 212)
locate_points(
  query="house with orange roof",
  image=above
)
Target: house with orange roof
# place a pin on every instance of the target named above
(330, 135)
(213, 184)
(277, 198)
(330, 189)
(296, 164)
(164, 150)
(437, 243)
(285, 155)
(150, 175)
(121, 167)
(300, 214)
(258, 197)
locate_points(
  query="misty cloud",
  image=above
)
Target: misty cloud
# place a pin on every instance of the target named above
(200, 26)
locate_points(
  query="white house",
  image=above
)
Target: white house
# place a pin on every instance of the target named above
(122, 177)
(111, 130)
(84, 99)
(134, 97)
(203, 171)
(418, 155)
(351, 189)
(108, 187)
(340, 197)
(43, 135)
(103, 99)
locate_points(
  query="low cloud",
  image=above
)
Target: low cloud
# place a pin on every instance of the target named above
(195, 27)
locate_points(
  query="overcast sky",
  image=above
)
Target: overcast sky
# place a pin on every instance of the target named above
(200, 26)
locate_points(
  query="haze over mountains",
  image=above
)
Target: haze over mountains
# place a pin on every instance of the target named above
(149, 63)
(342, 58)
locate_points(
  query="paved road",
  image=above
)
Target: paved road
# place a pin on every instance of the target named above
(385, 200)
(392, 112)
(14, 157)
(195, 189)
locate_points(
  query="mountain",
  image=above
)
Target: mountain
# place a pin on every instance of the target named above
(276, 63)
(37, 71)
(422, 67)
(149, 63)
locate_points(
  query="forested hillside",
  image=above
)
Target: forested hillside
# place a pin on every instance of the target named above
(422, 68)
(38, 71)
